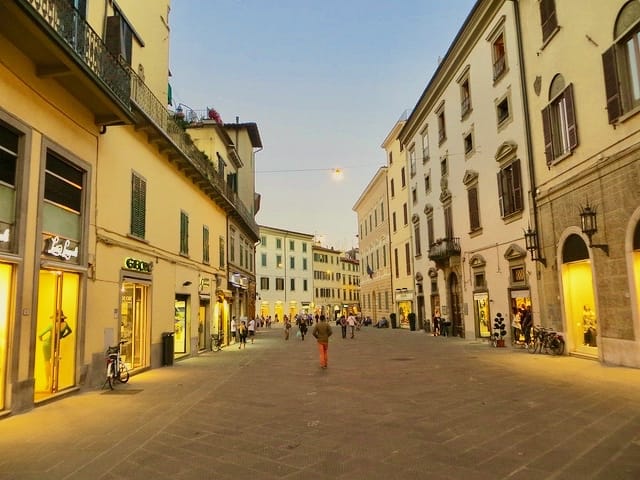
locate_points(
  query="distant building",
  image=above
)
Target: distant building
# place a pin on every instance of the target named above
(327, 282)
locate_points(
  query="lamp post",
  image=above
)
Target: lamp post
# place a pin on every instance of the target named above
(589, 226)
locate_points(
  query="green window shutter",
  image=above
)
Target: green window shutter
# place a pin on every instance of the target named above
(138, 206)
(184, 233)
(205, 244)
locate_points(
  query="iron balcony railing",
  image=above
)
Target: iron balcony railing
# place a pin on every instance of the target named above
(85, 43)
(444, 249)
(164, 120)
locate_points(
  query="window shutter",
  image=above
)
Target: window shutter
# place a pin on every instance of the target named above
(611, 84)
(548, 18)
(114, 38)
(474, 217)
(517, 186)
(571, 117)
(138, 206)
(501, 193)
(548, 134)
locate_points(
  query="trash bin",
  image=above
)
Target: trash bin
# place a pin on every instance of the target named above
(167, 348)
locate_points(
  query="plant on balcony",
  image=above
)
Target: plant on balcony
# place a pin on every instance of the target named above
(499, 331)
(212, 114)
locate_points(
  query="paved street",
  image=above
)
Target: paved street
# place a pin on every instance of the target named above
(393, 404)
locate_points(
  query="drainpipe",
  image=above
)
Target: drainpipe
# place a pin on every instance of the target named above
(527, 122)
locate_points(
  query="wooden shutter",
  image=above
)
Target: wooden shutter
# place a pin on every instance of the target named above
(571, 117)
(548, 18)
(548, 134)
(474, 214)
(138, 206)
(501, 193)
(611, 84)
(517, 186)
(114, 37)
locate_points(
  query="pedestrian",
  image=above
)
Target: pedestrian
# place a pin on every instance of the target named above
(302, 325)
(343, 326)
(322, 332)
(516, 326)
(436, 324)
(234, 330)
(287, 327)
(242, 333)
(252, 329)
(351, 322)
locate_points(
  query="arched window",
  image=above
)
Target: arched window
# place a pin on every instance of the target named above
(559, 121)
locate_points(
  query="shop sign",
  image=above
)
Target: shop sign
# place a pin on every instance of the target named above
(61, 248)
(403, 297)
(205, 283)
(238, 280)
(138, 265)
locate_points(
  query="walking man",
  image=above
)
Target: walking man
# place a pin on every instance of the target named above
(351, 321)
(252, 329)
(234, 330)
(322, 332)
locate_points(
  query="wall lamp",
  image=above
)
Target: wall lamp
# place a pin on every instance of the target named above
(531, 242)
(589, 226)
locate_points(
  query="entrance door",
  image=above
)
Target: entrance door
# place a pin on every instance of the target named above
(202, 322)
(133, 326)
(181, 324)
(55, 357)
(455, 315)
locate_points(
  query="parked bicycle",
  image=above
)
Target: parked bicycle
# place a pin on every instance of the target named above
(117, 370)
(547, 339)
(217, 340)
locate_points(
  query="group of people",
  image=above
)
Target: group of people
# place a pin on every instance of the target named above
(522, 324)
(350, 323)
(239, 332)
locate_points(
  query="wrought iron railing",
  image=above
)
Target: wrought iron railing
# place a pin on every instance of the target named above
(86, 45)
(155, 110)
(444, 248)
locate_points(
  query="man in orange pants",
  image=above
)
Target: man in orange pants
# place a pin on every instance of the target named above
(322, 332)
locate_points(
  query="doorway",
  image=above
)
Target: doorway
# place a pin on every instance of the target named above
(133, 324)
(455, 315)
(55, 357)
(6, 275)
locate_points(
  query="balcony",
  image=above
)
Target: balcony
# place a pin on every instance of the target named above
(63, 47)
(163, 130)
(443, 249)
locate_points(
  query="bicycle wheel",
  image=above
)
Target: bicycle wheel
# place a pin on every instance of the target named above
(124, 373)
(215, 347)
(110, 379)
(532, 346)
(556, 346)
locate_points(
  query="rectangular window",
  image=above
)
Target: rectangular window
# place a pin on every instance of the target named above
(559, 126)
(548, 19)
(414, 195)
(184, 233)
(405, 213)
(425, 145)
(279, 283)
(279, 261)
(502, 110)
(264, 283)
(304, 264)
(416, 239)
(412, 162)
(221, 252)
(403, 177)
(448, 220)
(292, 284)
(384, 255)
(292, 263)
(427, 183)
(499, 53)
(407, 257)
(279, 243)
(304, 247)
(396, 265)
(392, 188)
(430, 231)
(468, 143)
(305, 285)
(263, 259)
(474, 210)
(292, 245)
(232, 247)
(263, 240)
(510, 189)
(465, 98)
(393, 221)
(444, 166)
(9, 142)
(390, 158)
(205, 244)
(382, 212)
(442, 130)
(138, 206)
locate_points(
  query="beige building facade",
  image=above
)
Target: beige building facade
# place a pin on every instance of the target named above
(327, 282)
(586, 144)
(372, 211)
(466, 141)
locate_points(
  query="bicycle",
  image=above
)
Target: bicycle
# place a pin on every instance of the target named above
(546, 338)
(117, 370)
(216, 342)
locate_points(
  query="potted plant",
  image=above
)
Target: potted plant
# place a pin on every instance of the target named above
(412, 321)
(499, 330)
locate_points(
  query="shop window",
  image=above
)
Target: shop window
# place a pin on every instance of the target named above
(9, 142)
(63, 197)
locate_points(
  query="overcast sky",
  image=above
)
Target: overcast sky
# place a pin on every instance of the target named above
(324, 80)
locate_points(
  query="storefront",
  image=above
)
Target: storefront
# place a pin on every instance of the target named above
(579, 297)
(204, 312)
(6, 289)
(482, 314)
(404, 306)
(134, 311)
(181, 325)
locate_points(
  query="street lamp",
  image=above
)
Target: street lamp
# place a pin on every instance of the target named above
(589, 225)
(531, 243)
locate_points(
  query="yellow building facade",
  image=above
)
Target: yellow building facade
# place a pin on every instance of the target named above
(113, 223)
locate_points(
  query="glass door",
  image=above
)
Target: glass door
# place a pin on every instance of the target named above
(55, 359)
(181, 324)
(202, 318)
(133, 324)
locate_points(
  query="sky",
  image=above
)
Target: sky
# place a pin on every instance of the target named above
(324, 80)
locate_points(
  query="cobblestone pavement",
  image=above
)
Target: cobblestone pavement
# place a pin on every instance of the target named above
(393, 404)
